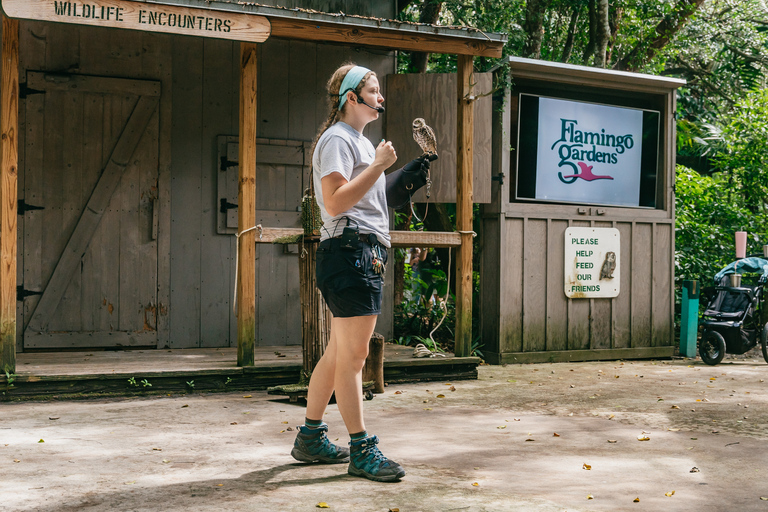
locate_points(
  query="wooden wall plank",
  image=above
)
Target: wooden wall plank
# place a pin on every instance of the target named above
(492, 267)
(601, 318)
(216, 252)
(642, 266)
(275, 89)
(663, 298)
(303, 120)
(512, 286)
(622, 318)
(535, 283)
(557, 302)
(578, 314)
(186, 185)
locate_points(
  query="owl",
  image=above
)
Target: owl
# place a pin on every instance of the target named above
(424, 137)
(609, 265)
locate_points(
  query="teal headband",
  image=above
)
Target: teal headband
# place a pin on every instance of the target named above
(350, 82)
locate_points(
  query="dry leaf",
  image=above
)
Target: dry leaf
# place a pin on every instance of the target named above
(475, 484)
(674, 407)
(555, 435)
(53, 419)
(636, 500)
(452, 388)
(448, 384)
(398, 392)
(41, 441)
(427, 408)
(530, 439)
(670, 493)
(284, 422)
(694, 469)
(763, 498)
(247, 396)
(16, 460)
(440, 396)
(323, 504)
(394, 510)
(590, 497)
(643, 437)
(586, 466)
(185, 405)
(502, 426)
(157, 449)
(425, 401)
(289, 429)
(219, 485)
(611, 417)
(233, 423)
(166, 461)
(673, 429)
(611, 440)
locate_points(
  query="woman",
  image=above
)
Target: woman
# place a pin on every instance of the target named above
(349, 182)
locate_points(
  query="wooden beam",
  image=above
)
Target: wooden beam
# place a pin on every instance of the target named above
(464, 131)
(399, 238)
(9, 161)
(246, 212)
(379, 37)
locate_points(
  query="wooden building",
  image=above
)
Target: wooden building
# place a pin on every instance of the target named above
(526, 315)
(125, 161)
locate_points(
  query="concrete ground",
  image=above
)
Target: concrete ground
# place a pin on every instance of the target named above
(539, 437)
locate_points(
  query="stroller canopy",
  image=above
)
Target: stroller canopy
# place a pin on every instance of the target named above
(745, 265)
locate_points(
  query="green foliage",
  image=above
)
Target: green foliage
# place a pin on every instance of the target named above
(10, 378)
(146, 383)
(132, 382)
(191, 384)
(422, 308)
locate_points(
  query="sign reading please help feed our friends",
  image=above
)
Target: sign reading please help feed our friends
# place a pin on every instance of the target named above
(592, 263)
(144, 16)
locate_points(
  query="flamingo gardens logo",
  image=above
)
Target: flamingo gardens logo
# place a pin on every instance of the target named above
(578, 151)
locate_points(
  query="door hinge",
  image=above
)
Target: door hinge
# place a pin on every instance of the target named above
(226, 164)
(226, 205)
(25, 91)
(22, 294)
(24, 207)
(499, 177)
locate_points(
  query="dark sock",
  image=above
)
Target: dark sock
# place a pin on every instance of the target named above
(358, 436)
(313, 424)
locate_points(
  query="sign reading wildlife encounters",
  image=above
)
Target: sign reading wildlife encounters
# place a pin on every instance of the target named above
(144, 16)
(589, 153)
(592, 268)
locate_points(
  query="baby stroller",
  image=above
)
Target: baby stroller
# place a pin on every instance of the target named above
(733, 320)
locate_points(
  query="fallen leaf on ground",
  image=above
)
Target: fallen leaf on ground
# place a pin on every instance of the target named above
(440, 396)
(611, 417)
(323, 504)
(452, 388)
(398, 392)
(763, 498)
(611, 440)
(502, 426)
(670, 493)
(530, 439)
(643, 437)
(586, 466)
(427, 408)
(284, 422)
(16, 460)
(247, 396)
(219, 485)
(233, 423)
(671, 429)
(475, 484)
(694, 469)
(166, 461)
(185, 405)
(157, 449)
(555, 435)
(590, 497)
(394, 510)
(636, 500)
(674, 407)
(41, 441)
(53, 419)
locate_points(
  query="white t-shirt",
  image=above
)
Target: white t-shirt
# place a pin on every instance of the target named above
(344, 150)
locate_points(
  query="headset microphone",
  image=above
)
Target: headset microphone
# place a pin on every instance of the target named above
(380, 110)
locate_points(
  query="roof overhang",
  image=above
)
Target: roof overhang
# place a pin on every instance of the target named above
(268, 21)
(534, 69)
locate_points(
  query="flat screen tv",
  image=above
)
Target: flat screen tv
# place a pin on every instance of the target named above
(586, 153)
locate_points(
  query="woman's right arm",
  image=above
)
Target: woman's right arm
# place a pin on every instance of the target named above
(339, 195)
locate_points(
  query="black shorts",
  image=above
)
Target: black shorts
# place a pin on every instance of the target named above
(346, 278)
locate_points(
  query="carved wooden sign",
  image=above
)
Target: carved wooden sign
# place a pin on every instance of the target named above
(144, 16)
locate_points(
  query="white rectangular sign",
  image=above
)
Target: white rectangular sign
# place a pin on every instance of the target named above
(592, 263)
(144, 16)
(589, 153)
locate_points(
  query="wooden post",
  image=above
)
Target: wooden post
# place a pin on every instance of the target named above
(9, 161)
(246, 217)
(464, 132)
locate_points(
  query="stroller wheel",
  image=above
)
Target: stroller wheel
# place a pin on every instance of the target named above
(712, 347)
(764, 342)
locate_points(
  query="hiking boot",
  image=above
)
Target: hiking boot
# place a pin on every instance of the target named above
(312, 445)
(367, 460)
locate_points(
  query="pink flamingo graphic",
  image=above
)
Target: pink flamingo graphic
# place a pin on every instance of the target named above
(586, 173)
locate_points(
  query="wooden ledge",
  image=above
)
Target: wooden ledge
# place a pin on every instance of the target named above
(399, 238)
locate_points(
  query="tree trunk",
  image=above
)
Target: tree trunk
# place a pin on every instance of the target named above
(602, 32)
(590, 49)
(614, 23)
(430, 13)
(568, 48)
(665, 31)
(534, 27)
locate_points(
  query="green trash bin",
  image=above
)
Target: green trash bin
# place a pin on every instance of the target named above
(689, 318)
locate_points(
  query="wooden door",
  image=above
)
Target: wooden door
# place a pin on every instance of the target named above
(90, 212)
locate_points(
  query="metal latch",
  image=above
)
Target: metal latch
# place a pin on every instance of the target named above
(25, 91)
(226, 164)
